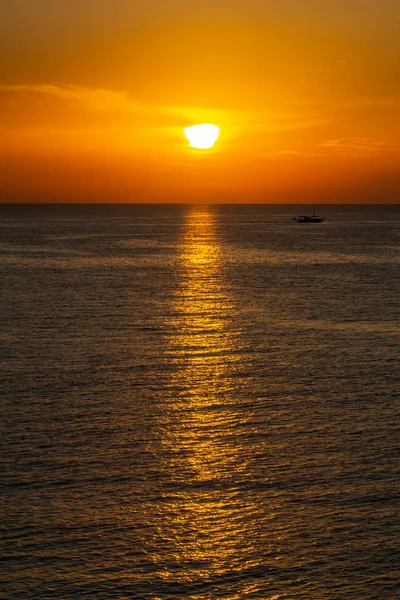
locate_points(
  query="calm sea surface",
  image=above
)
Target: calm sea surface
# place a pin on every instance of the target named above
(200, 403)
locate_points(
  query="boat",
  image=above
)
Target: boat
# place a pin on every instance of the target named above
(309, 218)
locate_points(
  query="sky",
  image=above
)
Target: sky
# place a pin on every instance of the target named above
(95, 94)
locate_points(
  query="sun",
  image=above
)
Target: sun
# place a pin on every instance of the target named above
(202, 136)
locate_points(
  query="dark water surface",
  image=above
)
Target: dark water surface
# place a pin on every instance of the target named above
(200, 403)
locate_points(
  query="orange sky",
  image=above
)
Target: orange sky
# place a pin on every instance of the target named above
(94, 95)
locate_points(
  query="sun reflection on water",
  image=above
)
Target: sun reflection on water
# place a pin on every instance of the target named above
(203, 351)
(203, 518)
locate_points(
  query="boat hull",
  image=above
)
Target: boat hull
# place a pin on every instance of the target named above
(306, 219)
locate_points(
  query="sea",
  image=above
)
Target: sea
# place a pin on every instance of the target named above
(200, 402)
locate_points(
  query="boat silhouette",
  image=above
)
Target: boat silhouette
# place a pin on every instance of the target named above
(309, 218)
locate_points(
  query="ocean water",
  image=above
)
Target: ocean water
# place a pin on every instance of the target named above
(200, 402)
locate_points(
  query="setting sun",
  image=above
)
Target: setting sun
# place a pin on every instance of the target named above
(202, 136)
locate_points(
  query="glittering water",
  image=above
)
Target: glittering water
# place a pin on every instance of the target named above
(200, 402)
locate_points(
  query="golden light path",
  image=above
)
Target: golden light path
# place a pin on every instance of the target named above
(204, 523)
(202, 136)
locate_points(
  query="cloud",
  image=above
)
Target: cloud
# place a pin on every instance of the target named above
(291, 122)
(93, 99)
(300, 154)
(69, 106)
(356, 146)
(370, 102)
(348, 148)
